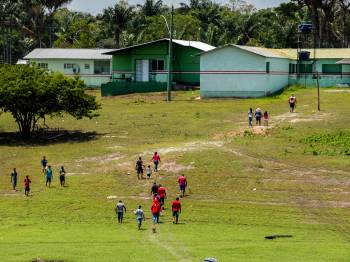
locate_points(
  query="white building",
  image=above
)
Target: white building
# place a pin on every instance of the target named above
(91, 65)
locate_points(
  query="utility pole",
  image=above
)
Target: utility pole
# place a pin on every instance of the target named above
(316, 73)
(170, 59)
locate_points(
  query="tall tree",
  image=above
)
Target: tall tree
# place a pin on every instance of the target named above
(152, 7)
(117, 19)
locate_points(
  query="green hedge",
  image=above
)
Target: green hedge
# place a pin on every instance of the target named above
(123, 88)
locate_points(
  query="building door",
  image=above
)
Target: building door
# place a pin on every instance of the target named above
(142, 70)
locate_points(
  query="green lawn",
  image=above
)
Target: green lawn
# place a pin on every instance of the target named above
(243, 185)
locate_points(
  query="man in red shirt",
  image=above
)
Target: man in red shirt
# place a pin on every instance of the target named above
(162, 195)
(27, 185)
(176, 208)
(182, 184)
(155, 210)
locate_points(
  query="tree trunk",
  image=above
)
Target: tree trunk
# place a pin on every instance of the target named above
(117, 38)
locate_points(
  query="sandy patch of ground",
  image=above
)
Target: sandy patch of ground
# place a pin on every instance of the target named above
(337, 91)
(173, 167)
(128, 197)
(101, 159)
(295, 118)
(192, 146)
(255, 130)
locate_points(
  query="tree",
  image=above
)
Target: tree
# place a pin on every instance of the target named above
(117, 18)
(30, 94)
(152, 8)
(77, 30)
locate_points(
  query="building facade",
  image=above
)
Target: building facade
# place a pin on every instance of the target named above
(242, 71)
(144, 67)
(91, 65)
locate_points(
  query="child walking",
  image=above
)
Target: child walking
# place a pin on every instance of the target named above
(266, 119)
(148, 171)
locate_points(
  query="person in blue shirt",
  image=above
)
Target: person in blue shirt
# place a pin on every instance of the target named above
(49, 176)
(140, 216)
(44, 163)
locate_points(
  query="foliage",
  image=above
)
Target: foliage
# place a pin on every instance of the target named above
(46, 23)
(31, 94)
(328, 144)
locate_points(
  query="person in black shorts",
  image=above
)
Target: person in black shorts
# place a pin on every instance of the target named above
(139, 168)
(44, 164)
(62, 176)
(14, 179)
(292, 101)
(154, 189)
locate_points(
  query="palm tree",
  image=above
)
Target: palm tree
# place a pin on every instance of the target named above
(118, 18)
(152, 7)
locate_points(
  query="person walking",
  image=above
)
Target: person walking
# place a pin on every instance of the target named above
(266, 119)
(148, 171)
(156, 160)
(292, 103)
(27, 185)
(44, 164)
(139, 168)
(120, 209)
(250, 117)
(140, 216)
(182, 184)
(49, 176)
(154, 189)
(176, 208)
(62, 176)
(258, 116)
(14, 176)
(162, 195)
(155, 210)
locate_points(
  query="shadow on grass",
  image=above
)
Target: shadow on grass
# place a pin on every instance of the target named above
(14, 138)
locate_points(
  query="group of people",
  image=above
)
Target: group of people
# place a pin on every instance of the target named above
(159, 194)
(258, 115)
(140, 166)
(48, 174)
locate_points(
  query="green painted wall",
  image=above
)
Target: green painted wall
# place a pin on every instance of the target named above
(184, 64)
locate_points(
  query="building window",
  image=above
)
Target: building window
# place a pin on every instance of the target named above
(68, 66)
(305, 68)
(292, 68)
(268, 67)
(87, 66)
(157, 65)
(43, 65)
(102, 67)
(332, 69)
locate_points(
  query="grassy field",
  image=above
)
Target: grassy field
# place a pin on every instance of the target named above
(292, 178)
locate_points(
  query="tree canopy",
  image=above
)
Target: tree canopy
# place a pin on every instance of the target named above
(30, 94)
(42, 23)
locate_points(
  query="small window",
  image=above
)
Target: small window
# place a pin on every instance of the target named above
(87, 66)
(157, 65)
(68, 66)
(268, 67)
(43, 65)
(332, 69)
(154, 65)
(160, 64)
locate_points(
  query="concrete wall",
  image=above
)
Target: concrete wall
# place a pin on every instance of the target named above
(232, 72)
(87, 75)
(325, 80)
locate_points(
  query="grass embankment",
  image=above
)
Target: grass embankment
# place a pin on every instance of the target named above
(243, 186)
